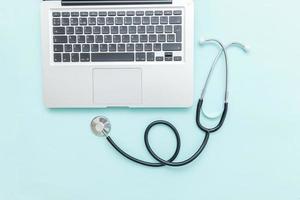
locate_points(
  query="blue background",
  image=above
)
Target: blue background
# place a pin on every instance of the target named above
(52, 154)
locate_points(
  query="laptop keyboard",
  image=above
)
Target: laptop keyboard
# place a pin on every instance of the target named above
(118, 36)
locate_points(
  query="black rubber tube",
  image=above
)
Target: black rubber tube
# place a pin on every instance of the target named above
(161, 162)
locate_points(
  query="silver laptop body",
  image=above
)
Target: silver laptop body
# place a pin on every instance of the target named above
(117, 53)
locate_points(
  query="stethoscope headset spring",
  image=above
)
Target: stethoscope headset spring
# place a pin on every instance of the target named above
(101, 126)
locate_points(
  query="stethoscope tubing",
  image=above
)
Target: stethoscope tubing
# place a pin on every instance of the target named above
(207, 131)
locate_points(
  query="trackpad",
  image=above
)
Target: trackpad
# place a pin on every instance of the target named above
(117, 87)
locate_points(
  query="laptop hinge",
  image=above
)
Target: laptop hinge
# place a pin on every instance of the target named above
(112, 2)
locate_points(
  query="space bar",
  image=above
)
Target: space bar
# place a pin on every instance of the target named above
(112, 57)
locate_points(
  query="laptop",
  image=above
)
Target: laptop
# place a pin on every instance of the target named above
(117, 53)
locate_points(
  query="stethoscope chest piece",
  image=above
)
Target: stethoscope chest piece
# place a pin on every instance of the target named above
(101, 126)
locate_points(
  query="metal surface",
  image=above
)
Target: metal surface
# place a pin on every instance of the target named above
(223, 50)
(101, 126)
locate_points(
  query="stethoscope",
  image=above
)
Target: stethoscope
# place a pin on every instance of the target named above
(101, 126)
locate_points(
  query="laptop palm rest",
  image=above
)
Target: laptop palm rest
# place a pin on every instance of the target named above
(117, 87)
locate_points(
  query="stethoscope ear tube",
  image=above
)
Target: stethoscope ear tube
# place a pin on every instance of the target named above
(218, 126)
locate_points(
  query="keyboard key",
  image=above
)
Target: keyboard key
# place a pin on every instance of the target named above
(87, 30)
(164, 20)
(101, 21)
(161, 38)
(177, 12)
(148, 47)
(59, 30)
(56, 14)
(96, 30)
(123, 30)
(140, 57)
(83, 21)
(105, 29)
(84, 57)
(149, 13)
(75, 57)
(68, 48)
(152, 38)
(168, 12)
(110, 21)
(121, 47)
(117, 38)
(168, 56)
(143, 38)
(172, 47)
(154, 20)
(108, 39)
(119, 20)
(112, 57)
(150, 29)
(57, 57)
(134, 38)
(114, 30)
(84, 14)
(146, 20)
(72, 39)
(112, 47)
(159, 58)
(158, 12)
(93, 14)
(150, 56)
(112, 13)
(58, 48)
(121, 13)
(178, 32)
(141, 29)
(177, 58)
(81, 39)
(77, 48)
(132, 29)
(70, 30)
(102, 13)
(127, 20)
(130, 13)
(140, 13)
(139, 47)
(130, 47)
(137, 20)
(66, 57)
(90, 39)
(65, 21)
(95, 48)
(86, 48)
(75, 14)
(125, 38)
(99, 38)
(157, 47)
(78, 30)
(92, 21)
(168, 29)
(74, 21)
(159, 29)
(175, 20)
(170, 38)
(103, 48)
(60, 39)
(56, 21)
